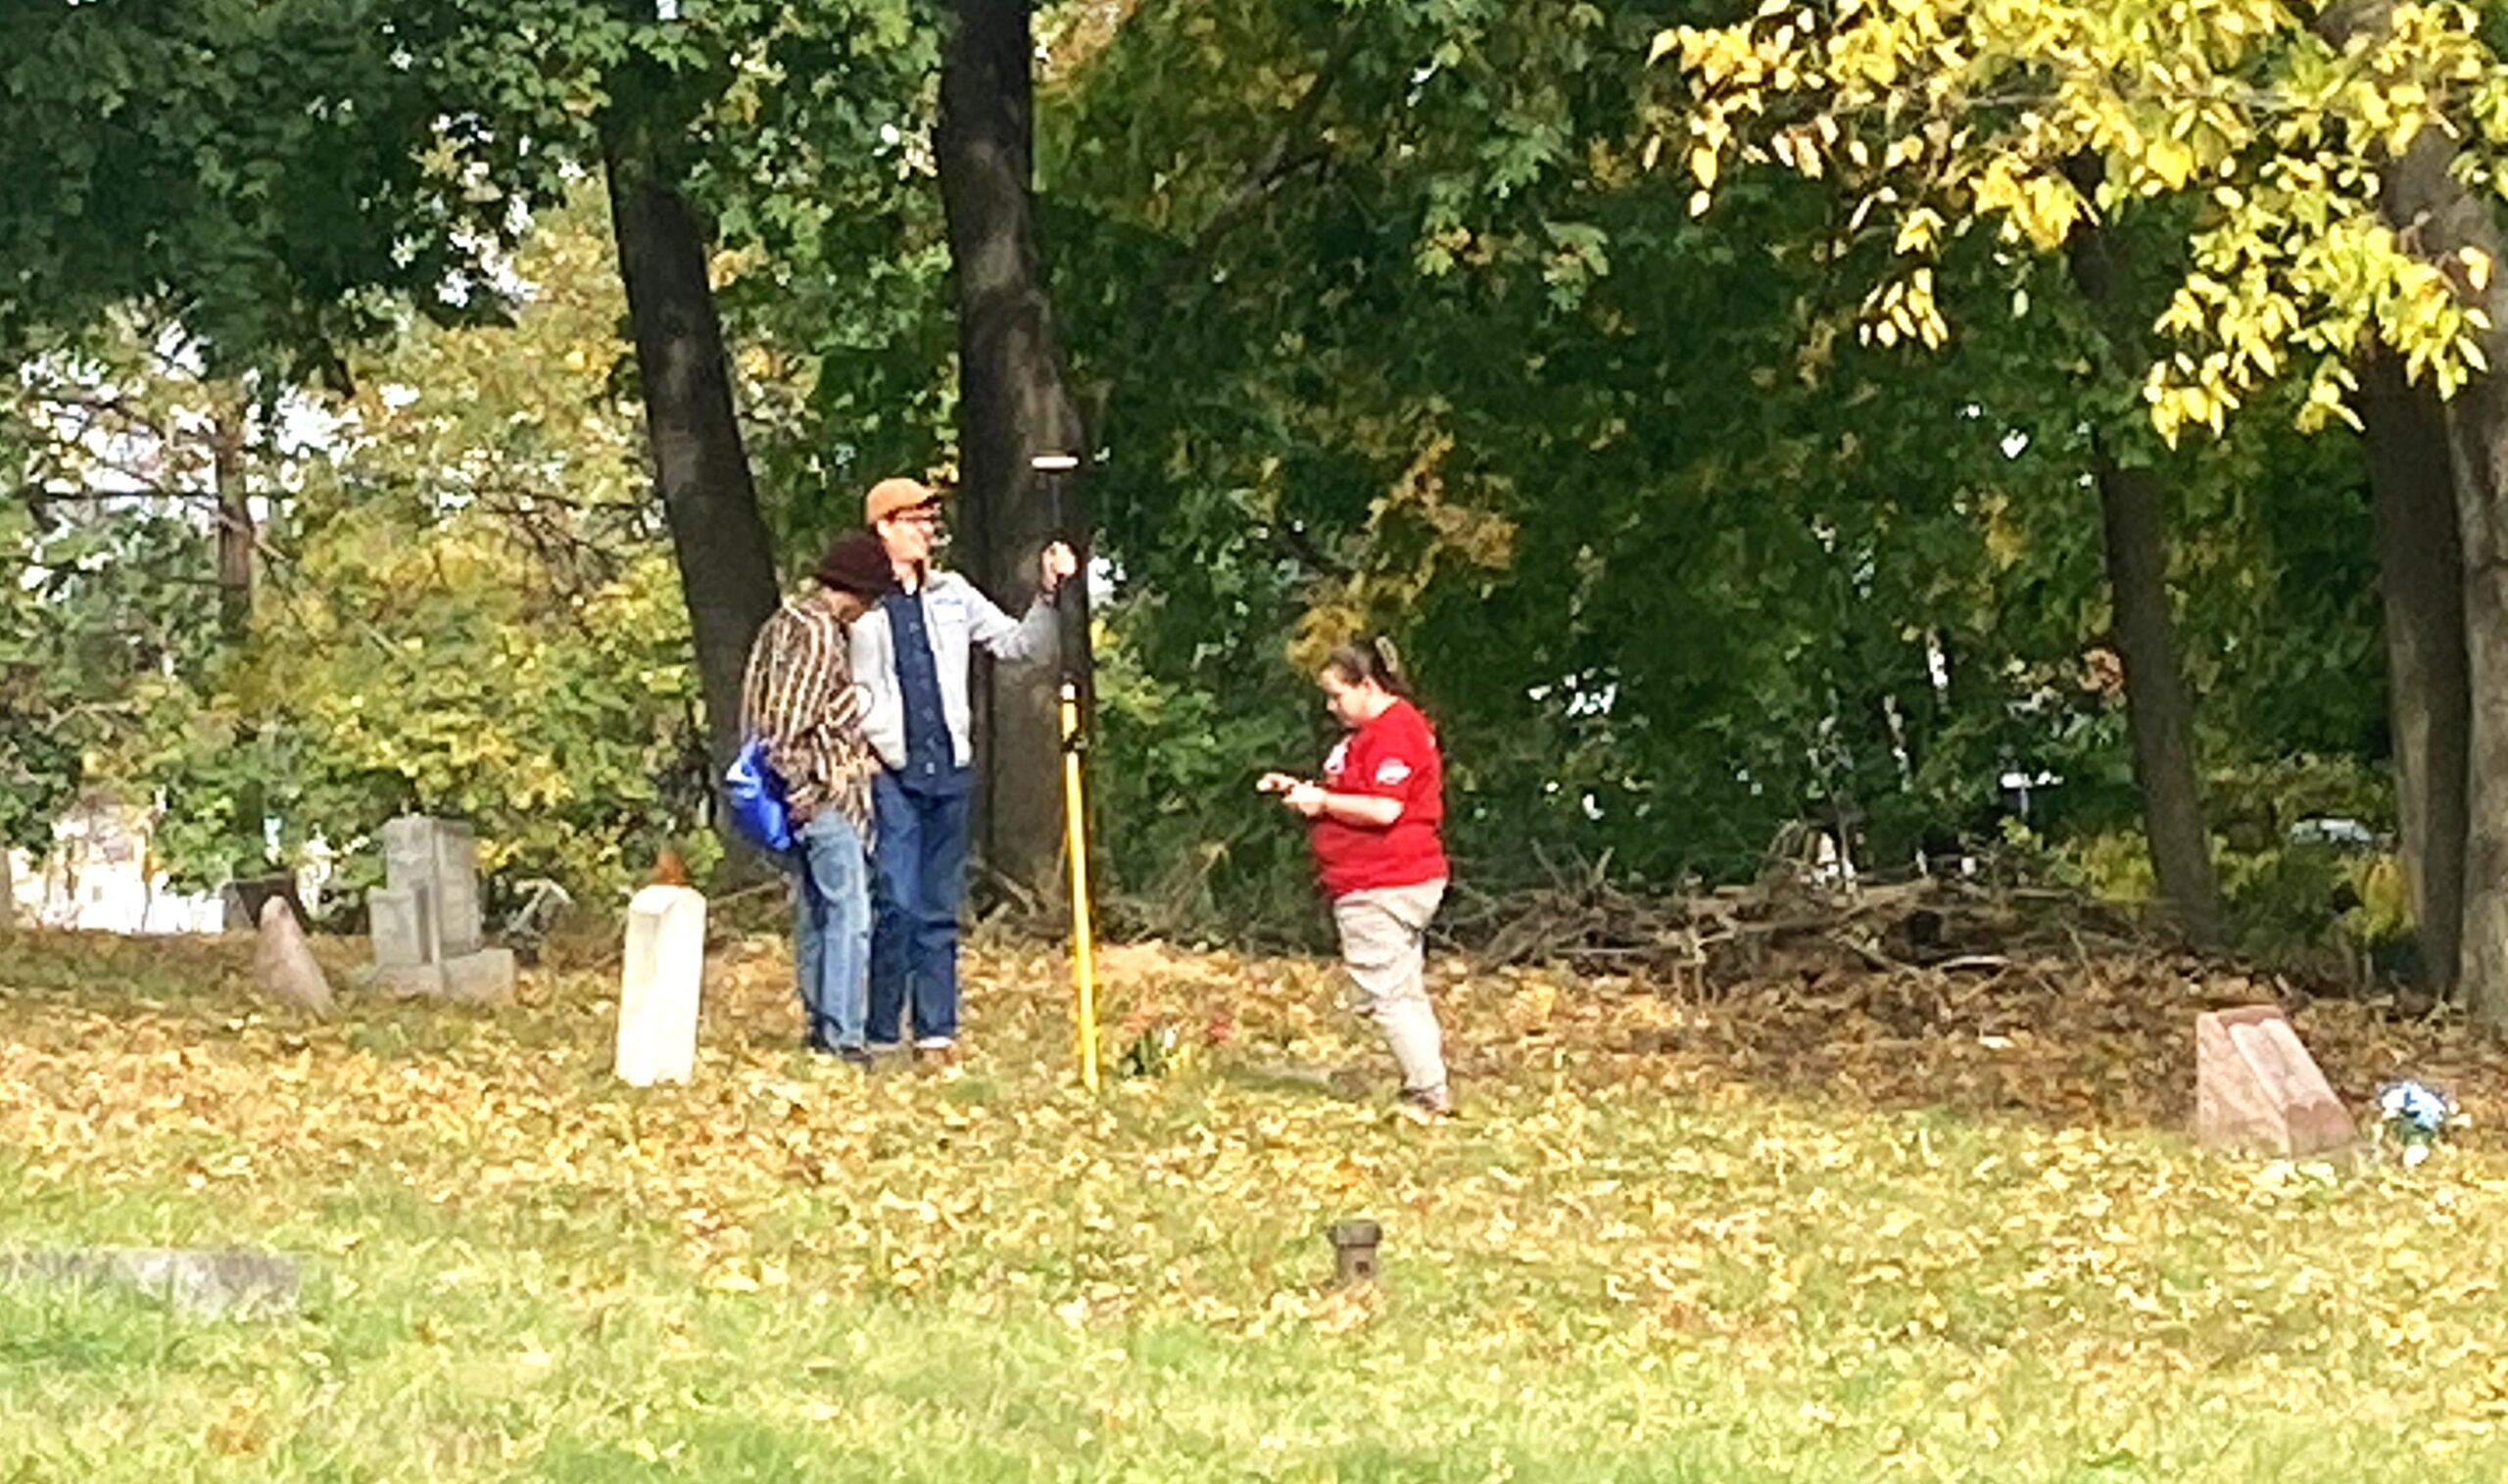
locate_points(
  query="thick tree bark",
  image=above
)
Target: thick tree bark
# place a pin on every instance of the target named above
(2482, 962)
(2427, 203)
(1012, 406)
(2158, 710)
(2433, 211)
(725, 557)
(2421, 580)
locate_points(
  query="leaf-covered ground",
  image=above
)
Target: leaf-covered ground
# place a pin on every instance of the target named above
(1868, 1227)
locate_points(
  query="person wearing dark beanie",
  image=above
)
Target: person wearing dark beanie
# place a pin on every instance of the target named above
(857, 564)
(801, 701)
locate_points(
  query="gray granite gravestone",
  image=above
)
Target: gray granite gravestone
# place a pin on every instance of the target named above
(425, 919)
(231, 1282)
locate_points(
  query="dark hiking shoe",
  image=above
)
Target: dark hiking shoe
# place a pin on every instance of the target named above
(1426, 1104)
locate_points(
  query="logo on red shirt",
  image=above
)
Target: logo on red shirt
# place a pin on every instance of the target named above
(1394, 756)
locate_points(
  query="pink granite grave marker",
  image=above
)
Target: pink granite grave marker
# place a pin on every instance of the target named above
(2259, 1091)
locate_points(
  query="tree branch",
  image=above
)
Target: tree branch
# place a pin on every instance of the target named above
(35, 496)
(1283, 159)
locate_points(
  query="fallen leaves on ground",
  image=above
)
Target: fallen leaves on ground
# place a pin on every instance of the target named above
(1800, 1172)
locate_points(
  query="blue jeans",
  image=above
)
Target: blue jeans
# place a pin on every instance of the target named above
(832, 928)
(921, 862)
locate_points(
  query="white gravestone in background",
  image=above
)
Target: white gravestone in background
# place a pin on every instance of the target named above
(658, 987)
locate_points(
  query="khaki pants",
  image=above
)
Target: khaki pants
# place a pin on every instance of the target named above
(1385, 946)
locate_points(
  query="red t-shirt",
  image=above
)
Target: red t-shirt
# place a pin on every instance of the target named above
(1394, 756)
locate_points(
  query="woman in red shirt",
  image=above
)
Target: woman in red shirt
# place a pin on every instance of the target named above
(1375, 815)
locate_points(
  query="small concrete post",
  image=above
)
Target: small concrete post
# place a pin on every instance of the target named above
(1354, 1245)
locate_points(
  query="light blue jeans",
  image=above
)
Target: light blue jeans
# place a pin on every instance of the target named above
(832, 928)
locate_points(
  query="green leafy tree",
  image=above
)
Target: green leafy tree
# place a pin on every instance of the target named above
(467, 606)
(270, 176)
(2324, 176)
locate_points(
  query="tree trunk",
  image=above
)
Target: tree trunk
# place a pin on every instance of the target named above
(2425, 203)
(726, 560)
(236, 531)
(1012, 406)
(2430, 209)
(2158, 710)
(2482, 963)
(2421, 580)
(238, 535)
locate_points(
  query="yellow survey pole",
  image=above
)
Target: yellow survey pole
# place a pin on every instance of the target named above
(1083, 968)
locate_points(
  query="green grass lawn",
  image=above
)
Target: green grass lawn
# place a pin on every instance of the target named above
(1647, 1254)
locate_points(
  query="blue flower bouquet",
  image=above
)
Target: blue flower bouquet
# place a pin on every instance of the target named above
(2414, 1117)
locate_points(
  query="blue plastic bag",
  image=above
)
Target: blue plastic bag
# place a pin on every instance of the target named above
(755, 797)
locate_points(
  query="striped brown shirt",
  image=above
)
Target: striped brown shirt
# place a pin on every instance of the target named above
(799, 699)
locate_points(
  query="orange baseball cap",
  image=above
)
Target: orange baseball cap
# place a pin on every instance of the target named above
(889, 495)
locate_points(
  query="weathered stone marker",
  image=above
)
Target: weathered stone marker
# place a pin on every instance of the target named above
(283, 962)
(657, 990)
(205, 1284)
(425, 919)
(2259, 1091)
(1354, 1245)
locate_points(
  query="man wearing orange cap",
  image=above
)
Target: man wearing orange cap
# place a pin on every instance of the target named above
(912, 655)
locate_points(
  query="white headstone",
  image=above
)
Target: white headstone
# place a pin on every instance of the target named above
(658, 987)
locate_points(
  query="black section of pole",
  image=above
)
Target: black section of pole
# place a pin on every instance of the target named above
(1072, 632)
